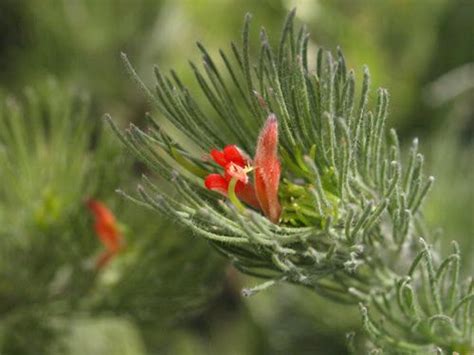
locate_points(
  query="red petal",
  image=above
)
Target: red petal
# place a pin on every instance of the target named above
(267, 169)
(218, 157)
(105, 226)
(109, 235)
(217, 183)
(246, 193)
(233, 154)
(100, 211)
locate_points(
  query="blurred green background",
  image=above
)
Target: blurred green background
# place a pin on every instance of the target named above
(168, 292)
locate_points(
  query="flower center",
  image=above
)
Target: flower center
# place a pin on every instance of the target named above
(239, 172)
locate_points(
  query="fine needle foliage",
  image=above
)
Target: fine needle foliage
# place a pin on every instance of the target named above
(54, 295)
(351, 225)
(46, 174)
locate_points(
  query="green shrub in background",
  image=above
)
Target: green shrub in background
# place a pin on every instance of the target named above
(53, 157)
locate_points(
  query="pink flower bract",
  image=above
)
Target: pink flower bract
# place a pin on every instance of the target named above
(267, 170)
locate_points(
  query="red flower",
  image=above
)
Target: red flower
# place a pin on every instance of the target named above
(107, 231)
(234, 163)
(267, 169)
(264, 195)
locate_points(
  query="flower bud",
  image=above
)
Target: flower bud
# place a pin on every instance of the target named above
(267, 169)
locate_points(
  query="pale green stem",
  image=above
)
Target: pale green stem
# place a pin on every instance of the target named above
(233, 197)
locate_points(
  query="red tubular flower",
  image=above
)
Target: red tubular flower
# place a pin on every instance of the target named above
(107, 231)
(267, 169)
(234, 163)
(264, 196)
